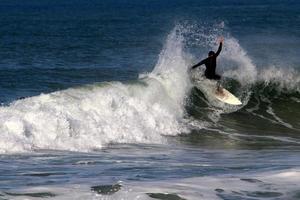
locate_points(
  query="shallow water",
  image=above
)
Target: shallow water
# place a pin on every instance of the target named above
(187, 171)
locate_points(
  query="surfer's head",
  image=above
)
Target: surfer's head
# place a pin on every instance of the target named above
(211, 53)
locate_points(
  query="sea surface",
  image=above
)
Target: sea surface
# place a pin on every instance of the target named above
(98, 100)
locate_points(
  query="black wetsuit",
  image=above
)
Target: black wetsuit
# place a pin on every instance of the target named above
(210, 64)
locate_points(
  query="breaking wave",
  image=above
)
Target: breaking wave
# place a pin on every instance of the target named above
(93, 116)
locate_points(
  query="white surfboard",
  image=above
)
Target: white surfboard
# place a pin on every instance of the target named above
(226, 97)
(209, 89)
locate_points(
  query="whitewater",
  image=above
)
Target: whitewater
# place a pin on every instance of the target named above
(93, 116)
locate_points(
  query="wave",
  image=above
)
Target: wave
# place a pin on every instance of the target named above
(268, 93)
(93, 116)
(285, 80)
(142, 111)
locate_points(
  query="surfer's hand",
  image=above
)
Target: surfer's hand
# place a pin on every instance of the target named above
(221, 39)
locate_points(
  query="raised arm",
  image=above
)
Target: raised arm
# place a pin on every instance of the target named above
(198, 64)
(220, 46)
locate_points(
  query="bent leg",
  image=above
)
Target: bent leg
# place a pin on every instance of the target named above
(219, 87)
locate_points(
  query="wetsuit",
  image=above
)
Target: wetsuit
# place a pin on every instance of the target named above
(210, 64)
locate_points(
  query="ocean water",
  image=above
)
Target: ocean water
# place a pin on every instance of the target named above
(97, 100)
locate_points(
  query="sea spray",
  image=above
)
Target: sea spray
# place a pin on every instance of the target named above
(93, 116)
(242, 67)
(283, 78)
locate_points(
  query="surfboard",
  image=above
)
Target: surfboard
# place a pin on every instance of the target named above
(226, 97)
(209, 89)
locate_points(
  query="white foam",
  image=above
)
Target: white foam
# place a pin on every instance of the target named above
(90, 117)
(283, 183)
(285, 78)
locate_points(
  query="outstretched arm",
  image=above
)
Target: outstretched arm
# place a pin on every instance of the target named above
(220, 46)
(198, 64)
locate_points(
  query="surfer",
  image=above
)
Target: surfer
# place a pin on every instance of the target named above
(211, 63)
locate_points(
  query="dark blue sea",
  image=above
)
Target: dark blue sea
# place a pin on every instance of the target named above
(98, 100)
